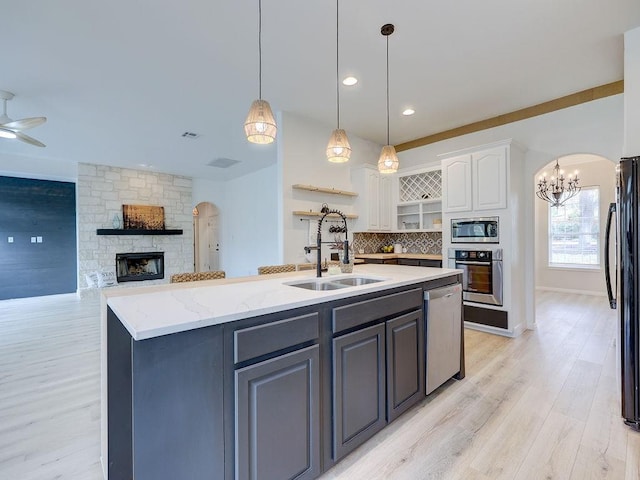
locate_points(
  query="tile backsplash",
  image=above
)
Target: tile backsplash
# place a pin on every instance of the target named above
(415, 242)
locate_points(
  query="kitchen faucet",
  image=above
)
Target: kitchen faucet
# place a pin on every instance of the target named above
(345, 259)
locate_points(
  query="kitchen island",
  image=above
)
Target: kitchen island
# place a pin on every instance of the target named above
(258, 377)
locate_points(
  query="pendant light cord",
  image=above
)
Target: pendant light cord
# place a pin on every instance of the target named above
(337, 63)
(260, 49)
(387, 89)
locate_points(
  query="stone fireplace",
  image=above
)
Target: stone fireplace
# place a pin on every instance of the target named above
(135, 267)
(101, 193)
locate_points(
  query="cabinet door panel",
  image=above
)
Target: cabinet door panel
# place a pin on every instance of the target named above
(405, 363)
(373, 194)
(490, 179)
(384, 203)
(456, 183)
(358, 388)
(277, 418)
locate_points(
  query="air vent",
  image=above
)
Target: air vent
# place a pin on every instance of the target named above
(190, 135)
(222, 162)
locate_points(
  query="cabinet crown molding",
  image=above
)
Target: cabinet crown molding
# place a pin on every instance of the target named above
(509, 142)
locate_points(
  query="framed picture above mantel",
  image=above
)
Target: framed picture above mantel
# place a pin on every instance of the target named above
(142, 217)
(140, 220)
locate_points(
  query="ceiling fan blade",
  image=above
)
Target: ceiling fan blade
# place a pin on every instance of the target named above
(29, 140)
(25, 123)
(6, 133)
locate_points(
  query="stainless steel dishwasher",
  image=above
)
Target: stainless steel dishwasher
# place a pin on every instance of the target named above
(443, 331)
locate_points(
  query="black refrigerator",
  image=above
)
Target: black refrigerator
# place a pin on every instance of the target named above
(625, 293)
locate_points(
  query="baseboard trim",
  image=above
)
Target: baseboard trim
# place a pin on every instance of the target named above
(570, 290)
(488, 329)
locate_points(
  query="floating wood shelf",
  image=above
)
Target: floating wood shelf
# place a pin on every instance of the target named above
(334, 191)
(319, 214)
(131, 231)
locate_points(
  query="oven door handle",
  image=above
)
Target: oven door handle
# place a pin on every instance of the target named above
(483, 264)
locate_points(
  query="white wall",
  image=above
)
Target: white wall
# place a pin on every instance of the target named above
(595, 127)
(632, 92)
(248, 212)
(302, 159)
(38, 168)
(600, 173)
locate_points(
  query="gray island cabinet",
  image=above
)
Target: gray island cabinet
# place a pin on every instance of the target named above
(284, 394)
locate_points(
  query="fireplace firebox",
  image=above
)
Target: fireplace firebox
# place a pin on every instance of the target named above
(135, 267)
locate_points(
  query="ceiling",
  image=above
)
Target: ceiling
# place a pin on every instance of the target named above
(121, 81)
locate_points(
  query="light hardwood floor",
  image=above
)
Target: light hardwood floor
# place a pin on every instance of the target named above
(544, 405)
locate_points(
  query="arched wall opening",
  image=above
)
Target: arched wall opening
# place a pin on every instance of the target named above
(206, 237)
(596, 172)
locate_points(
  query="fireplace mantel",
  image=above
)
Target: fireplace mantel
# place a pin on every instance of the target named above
(132, 231)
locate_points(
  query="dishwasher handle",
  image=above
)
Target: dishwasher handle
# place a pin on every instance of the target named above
(443, 292)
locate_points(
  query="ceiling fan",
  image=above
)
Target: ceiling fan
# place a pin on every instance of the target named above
(13, 128)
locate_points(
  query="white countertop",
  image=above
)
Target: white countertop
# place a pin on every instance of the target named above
(148, 312)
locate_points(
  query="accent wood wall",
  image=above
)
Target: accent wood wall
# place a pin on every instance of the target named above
(45, 212)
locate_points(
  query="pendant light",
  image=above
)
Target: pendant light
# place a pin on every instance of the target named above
(260, 125)
(388, 161)
(338, 148)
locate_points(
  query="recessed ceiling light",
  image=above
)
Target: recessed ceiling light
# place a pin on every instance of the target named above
(349, 81)
(408, 111)
(145, 165)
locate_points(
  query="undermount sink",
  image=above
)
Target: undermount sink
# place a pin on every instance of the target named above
(317, 285)
(356, 281)
(334, 284)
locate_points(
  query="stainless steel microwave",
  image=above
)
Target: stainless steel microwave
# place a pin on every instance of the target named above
(475, 230)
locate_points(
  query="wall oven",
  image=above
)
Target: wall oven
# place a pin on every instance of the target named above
(475, 230)
(482, 278)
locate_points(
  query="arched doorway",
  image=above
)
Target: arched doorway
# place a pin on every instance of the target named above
(570, 260)
(206, 243)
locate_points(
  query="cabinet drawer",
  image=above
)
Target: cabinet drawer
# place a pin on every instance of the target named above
(260, 340)
(360, 313)
(431, 263)
(409, 261)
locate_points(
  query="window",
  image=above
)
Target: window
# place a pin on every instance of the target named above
(574, 231)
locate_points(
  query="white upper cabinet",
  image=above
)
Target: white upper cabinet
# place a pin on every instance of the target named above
(489, 169)
(374, 198)
(475, 181)
(456, 184)
(384, 202)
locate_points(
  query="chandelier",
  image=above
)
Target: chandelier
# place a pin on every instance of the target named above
(558, 189)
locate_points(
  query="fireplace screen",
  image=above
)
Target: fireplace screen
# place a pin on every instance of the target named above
(133, 267)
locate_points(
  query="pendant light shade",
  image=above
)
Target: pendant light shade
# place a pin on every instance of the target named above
(388, 161)
(338, 148)
(260, 125)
